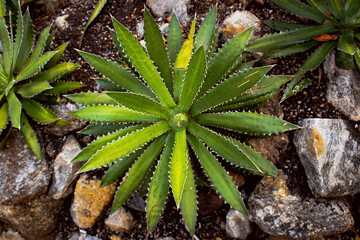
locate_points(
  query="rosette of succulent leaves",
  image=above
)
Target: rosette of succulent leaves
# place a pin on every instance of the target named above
(29, 78)
(163, 104)
(338, 24)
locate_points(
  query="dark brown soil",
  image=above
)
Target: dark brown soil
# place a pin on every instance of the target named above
(97, 40)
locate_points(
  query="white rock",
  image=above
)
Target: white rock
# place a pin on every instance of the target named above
(164, 8)
(61, 22)
(237, 225)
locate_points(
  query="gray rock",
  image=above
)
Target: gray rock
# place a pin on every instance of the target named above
(140, 28)
(34, 219)
(120, 221)
(136, 202)
(237, 225)
(343, 88)
(62, 110)
(23, 175)
(330, 155)
(65, 171)
(165, 8)
(11, 235)
(237, 22)
(83, 236)
(279, 212)
(164, 28)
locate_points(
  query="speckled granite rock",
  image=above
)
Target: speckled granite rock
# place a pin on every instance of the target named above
(11, 235)
(90, 201)
(329, 152)
(237, 225)
(64, 170)
(343, 88)
(278, 212)
(120, 221)
(23, 175)
(34, 219)
(165, 8)
(237, 22)
(62, 110)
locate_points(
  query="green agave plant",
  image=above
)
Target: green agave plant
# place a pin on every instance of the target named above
(26, 79)
(338, 25)
(164, 102)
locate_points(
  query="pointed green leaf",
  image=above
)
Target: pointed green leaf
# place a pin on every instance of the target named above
(99, 6)
(96, 129)
(6, 46)
(179, 165)
(230, 88)
(31, 89)
(230, 150)
(98, 144)
(347, 43)
(30, 136)
(300, 9)
(224, 60)
(38, 112)
(181, 62)
(351, 8)
(300, 86)
(57, 57)
(61, 87)
(174, 38)
(246, 122)
(53, 100)
(218, 176)
(26, 42)
(116, 73)
(35, 66)
(322, 8)
(206, 31)
(18, 38)
(193, 79)
(120, 167)
(312, 62)
(14, 109)
(344, 60)
(109, 85)
(156, 48)
(142, 63)
(4, 116)
(140, 103)
(337, 8)
(55, 73)
(138, 172)
(291, 50)
(125, 145)
(49, 40)
(38, 50)
(214, 44)
(102, 113)
(284, 39)
(159, 186)
(9, 87)
(284, 26)
(188, 204)
(91, 98)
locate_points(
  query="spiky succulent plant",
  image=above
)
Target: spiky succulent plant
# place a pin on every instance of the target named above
(27, 79)
(164, 101)
(338, 25)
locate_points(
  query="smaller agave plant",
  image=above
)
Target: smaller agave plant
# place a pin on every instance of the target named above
(338, 25)
(163, 103)
(28, 78)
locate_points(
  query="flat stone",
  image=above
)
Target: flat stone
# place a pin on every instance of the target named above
(23, 175)
(120, 221)
(64, 171)
(237, 22)
(164, 9)
(34, 219)
(136, 202)
(237, 225)
(279, 212)
(343, 90)
(62, 110)
(90, 201)
(329, 152)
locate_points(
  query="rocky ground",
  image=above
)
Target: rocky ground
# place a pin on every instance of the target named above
(315, 196)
